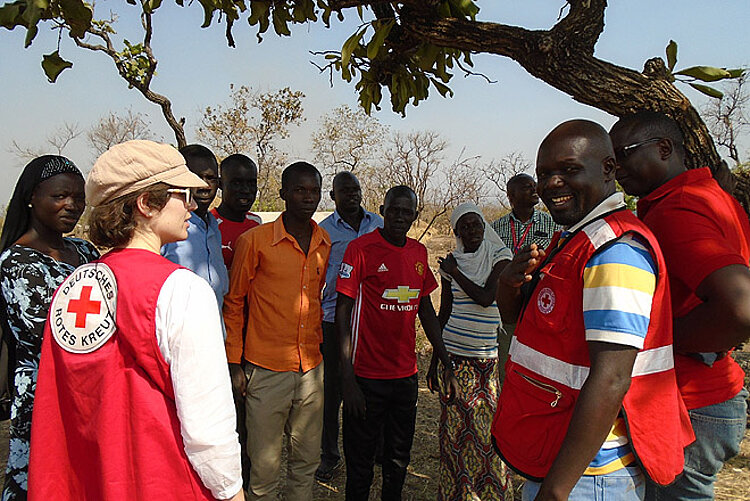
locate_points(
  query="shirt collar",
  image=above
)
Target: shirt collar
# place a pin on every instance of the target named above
(280, 233)
(534, 217)
(690, 176)
(613, 202)
(196, 220)
(366, 216)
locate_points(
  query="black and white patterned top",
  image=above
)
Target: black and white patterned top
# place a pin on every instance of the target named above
(28, 279)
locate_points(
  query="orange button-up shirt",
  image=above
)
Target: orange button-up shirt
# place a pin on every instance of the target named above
(282, 287)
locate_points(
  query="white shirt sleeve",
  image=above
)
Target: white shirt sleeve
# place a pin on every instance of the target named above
(188, 331)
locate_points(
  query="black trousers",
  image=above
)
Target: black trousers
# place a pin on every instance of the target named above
(392, 411)
(329, 447)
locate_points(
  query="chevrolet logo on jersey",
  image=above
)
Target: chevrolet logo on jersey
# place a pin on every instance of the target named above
(403, 294)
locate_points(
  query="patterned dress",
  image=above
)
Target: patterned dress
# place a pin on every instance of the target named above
(470, 469)
(28, 278)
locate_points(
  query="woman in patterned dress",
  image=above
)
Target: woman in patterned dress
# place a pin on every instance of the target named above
(470, 469)
(47, 202)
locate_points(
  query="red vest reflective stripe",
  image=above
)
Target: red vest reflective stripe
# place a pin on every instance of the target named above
(105, 424)
(549, 363)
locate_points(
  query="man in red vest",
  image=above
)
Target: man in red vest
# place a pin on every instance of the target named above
(705, 236)
(590, 400)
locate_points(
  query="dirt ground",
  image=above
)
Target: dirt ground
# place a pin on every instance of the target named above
(421, 482)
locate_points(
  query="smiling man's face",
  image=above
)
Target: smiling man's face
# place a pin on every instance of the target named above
(574, 174)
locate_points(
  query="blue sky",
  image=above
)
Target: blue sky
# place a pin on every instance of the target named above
(196, 68)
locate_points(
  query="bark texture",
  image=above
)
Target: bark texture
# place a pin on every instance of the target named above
(563, 57)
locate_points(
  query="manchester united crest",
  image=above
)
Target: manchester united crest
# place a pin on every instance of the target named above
(419, 266)
(82, 314)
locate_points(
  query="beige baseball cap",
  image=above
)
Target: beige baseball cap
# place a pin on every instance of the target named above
(133, 165)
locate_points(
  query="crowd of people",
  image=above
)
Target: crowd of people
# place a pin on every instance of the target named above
(585, 347)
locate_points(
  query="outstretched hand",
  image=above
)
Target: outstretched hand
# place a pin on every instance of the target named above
(519, 271)
(448, 264)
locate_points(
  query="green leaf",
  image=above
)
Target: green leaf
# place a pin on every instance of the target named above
(151, 5)
(466, 7)
(426, 56)
(705, 73)
(709, 91)
(10, 15)
(444, 9)
(349, 46)
(737, 72)
(30, 18)
(53, 64)
(381, 33)
(78, 15)
(30, 35)
(208, 12)
(671, 54)
(257, 11)
(443, 89)
(281, 21)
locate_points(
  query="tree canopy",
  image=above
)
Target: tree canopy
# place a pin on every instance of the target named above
(411, 47)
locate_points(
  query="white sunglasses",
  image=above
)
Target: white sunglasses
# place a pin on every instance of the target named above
(186, 193)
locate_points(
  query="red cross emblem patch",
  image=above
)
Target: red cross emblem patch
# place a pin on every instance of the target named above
(82, 314)
(545, 300)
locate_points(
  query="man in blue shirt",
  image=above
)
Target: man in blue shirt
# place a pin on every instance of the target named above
(201, 251)
(347, 222)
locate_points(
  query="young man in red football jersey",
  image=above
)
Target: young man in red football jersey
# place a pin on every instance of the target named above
(239, 186)
(384, 283)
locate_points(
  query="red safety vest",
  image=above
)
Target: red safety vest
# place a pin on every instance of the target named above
(105, 424)
(549, 363)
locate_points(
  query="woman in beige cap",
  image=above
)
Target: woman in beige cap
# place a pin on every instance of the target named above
(134, 398)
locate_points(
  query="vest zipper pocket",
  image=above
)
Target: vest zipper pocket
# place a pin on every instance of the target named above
(543, 386)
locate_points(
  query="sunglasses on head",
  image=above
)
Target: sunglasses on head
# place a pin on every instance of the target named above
(185, 193)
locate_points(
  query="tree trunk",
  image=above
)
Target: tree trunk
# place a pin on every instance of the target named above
(563, 58)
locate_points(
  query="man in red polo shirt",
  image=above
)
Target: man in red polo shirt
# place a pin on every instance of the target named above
(705, 237)
(384, 283)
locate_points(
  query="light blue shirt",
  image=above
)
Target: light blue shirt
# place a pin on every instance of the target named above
(201, 253)
(341, 234)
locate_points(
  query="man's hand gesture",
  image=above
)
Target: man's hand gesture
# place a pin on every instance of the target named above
(523, 265)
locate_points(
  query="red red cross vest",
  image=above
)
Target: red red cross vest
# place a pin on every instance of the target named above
(549, 363)
(104, 422)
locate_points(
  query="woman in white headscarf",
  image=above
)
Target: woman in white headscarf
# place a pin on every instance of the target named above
(469, 467)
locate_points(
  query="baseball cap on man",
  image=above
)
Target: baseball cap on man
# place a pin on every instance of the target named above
(133, 165)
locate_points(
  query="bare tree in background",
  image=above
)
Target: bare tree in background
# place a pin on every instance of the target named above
(412, 159)
(114, 128)
(461, 181)
(498, 172)
(417, 159)
(351, 140)
(727, 118)
(253, 122)
(55, 143)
